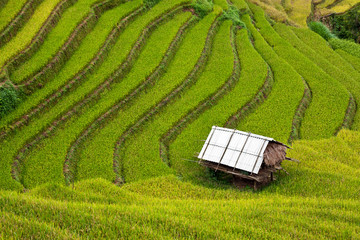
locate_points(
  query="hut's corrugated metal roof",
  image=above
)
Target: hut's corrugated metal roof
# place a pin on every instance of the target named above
(234, 148)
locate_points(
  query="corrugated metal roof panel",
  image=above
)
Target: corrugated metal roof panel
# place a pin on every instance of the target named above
(233, 148)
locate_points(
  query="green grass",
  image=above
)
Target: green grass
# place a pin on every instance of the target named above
(24, 36)
(86, 51)
(55, 39)
(106, 137)
(40, 157)
(329, 98)
(274, 117)
(9, 11)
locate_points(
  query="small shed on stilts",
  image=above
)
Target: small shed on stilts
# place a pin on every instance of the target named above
(246, 156)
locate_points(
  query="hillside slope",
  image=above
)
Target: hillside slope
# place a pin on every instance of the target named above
(116, 97)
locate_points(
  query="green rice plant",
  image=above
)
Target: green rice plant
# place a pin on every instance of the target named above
(118, 53)
(90, 54)
(323, 48)
(41, 76)
(40, 36)
(318, 51)
(144, 86)
(259, 98)
(211, 79)
(183, 217)
(222, 3)
(71, 20)
(202, 7)
(18, 22)
(241, 6)
(303, 202)
(275, 116)
(329, 98)
(346, 45)
(327, 162)
(352, 60)
(35, 229)
(177, 70)
(321, 29)
(9, 11)
(25, 35)
(168, 95)
(253, 73)
(33, 160)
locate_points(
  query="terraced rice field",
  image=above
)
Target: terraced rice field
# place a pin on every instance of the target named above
(298, 12)
(117, 96)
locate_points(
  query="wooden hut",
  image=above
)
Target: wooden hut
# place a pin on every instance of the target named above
(246, 156)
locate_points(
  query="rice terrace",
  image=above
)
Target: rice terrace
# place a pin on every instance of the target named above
(105, 106)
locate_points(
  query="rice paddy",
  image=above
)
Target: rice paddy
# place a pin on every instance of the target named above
(117, 96)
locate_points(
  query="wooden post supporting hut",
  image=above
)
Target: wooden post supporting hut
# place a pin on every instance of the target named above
(249, 157)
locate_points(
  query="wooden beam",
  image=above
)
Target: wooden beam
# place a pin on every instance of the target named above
(258, 178)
